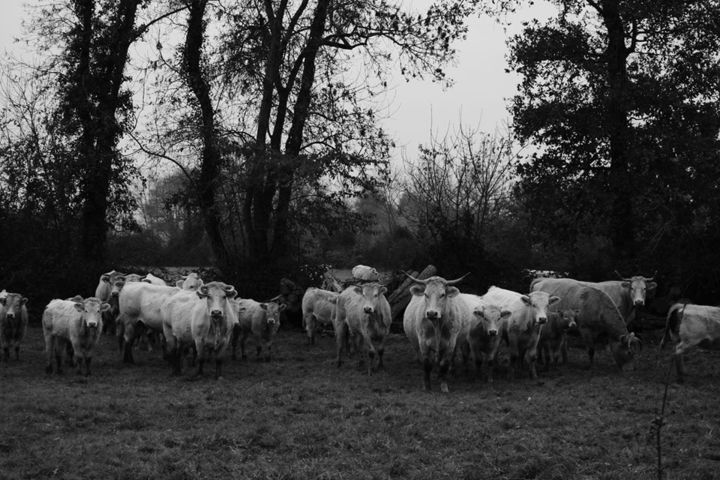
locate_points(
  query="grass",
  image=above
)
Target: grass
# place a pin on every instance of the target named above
(299, 417)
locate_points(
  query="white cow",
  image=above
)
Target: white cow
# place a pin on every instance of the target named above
(318, 308)
(365, 273)
(363, 318)
(522, 329)
(261, 320)
(150, 278)
(189, 282)
(480, 337)
(204, 319)
(690, 325)
(141, 302)
(77, 322)
(432, 322)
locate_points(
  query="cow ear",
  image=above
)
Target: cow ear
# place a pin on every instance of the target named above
(232, 293)
(79, 306)
(179, 283)
(282, 307)
(526, 300)
(651, 286)
(146, 280)
(357, 290)
(383, 290)
(263, 306)
(553, 300)
(105, 307)
(417, 290)
(202, 292)
(505, 313)
(24, 301)
(105, 278)
(452, 292)
(480, 313)
(626, 284)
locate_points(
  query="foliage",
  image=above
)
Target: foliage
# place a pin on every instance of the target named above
(668, 98)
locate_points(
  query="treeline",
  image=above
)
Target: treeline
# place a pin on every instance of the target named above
(260, 126)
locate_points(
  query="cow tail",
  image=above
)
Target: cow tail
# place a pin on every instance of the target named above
(673, 321)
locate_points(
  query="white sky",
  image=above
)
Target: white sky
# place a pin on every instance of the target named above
(478, 98)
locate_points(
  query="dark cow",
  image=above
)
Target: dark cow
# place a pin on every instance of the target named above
(553, 338)
(599, 321)
(13, 323)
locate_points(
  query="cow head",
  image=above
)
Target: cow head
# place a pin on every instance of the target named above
(190, 282)
(436, 291)
(568, 319)
(370, 293)
(91, 309)
(639, 287)
(117, 285)
(624, 350)
(539, 302)
(491, 316)
(272, 311)
(13, 304)
(216, 295)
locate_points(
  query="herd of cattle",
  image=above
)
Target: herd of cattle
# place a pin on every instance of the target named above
(199, 321)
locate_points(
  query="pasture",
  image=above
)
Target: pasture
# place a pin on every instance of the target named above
(300, 417)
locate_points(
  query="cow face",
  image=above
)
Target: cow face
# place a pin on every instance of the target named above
(539, 302)
(273, 310)
(371, 295)
(624, 350)
(436, 293)
(491, 317)
(639, 288)
(91, 310)
(190, 282)
(568, 319)
(216, 294)
(117, 285)
(13, 303)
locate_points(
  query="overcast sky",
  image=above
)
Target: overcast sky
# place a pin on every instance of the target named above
(479, 96)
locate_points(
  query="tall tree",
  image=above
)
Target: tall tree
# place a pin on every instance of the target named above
(607, 95)
(94, 107)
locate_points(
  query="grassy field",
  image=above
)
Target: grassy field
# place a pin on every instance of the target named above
(301, 417)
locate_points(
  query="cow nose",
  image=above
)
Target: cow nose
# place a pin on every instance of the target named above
(639, 303)
(542, 320)
(114, 294)
(492, 332)
(10, 315)
(368, 309)
(216, 313)
(433, 314)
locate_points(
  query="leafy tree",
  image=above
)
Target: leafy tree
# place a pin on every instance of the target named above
(620, 98)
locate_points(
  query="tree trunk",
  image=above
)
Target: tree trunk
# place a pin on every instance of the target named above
(211, 160)
(295, 136)
(622, 230)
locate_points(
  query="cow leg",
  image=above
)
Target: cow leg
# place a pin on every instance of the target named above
(243, 355)
(201, 362)
(564, 350)
(176, 360)
(678, 359)
(234, 340)
(17, 352)
(427, 368)
(128, 337)
(218, 368)
(442, 374)
(340, 341)
(88, 360)
(591, 357)
(58, 357)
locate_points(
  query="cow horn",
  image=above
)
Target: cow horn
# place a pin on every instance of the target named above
(651, 278)
(619, 275)
(457, 280)
(423, 282)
